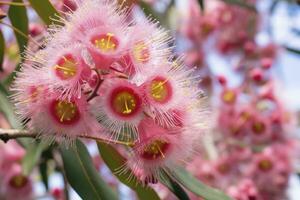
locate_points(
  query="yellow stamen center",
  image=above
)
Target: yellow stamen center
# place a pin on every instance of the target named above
(106, 42)
(224, 168)
(66, 68)
(66, 112)
(155, 149)
(265, 165)
(124, 103)
(160, 90)
(258, 127)
(18, 181)
(229, 97)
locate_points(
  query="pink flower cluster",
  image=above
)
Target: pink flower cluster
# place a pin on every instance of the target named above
(14, 185)
(252, 153)
(104, 74)
(255, 129)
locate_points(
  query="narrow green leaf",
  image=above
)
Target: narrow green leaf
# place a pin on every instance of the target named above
(83, 176)
(296, 51)
(198, 188)
(241, 3)
(7, 108)
(19, 20)
(2, 50)
(43, 168)
(45, 10)
(201, 3)
(174, 187)
(273, 6)
(32, 156)
(150, 12)
(114, 160)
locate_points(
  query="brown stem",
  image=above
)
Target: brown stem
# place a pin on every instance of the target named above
(20, 33)
(99, 81)
(13, 3)
(8, 134)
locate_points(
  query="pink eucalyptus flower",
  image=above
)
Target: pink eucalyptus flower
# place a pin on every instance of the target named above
(16, 185)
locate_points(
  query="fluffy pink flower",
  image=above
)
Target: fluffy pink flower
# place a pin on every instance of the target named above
(105, 33)
(163, 91)
(235, 21)
(260, 129)
(119, 108)
(66, 69)
(229, 96)
(245, 190)
(63, 118)
(16, 185)
(11, 153)
(147, 50)
(159, 148)
(271, 169)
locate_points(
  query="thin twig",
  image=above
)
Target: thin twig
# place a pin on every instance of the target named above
(21, 33)
(13, 3)
(8, 134)
(99, 81)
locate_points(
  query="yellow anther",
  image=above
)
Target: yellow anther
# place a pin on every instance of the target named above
(18, 181)
(265, 165)
(124, 103)
(229, 96)
(66, 68)
(258, 127)
(106, 43)
(155, 149)
(160, 90)
(66, 112)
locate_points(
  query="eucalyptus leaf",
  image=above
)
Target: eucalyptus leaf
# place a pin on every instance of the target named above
(6, 107)
(43, 168)
(19, 20)
(32, 156)
(83, 176)
(173, 186)
(201, 3)
(114, 160)
(290, 49)
(241, 3)
(198, 188)
(45, 10)
(2, 50)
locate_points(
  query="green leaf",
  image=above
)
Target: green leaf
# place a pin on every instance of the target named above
(19, 20)
(174, 186)
(201, 3)
(45, 10)
(43, 168)
(296, 51)
(7, 108)
(2, 50)
(114, 160)
(148, 10)
(198, 188)
(241, 3)
(83, 176)
(32, 156)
